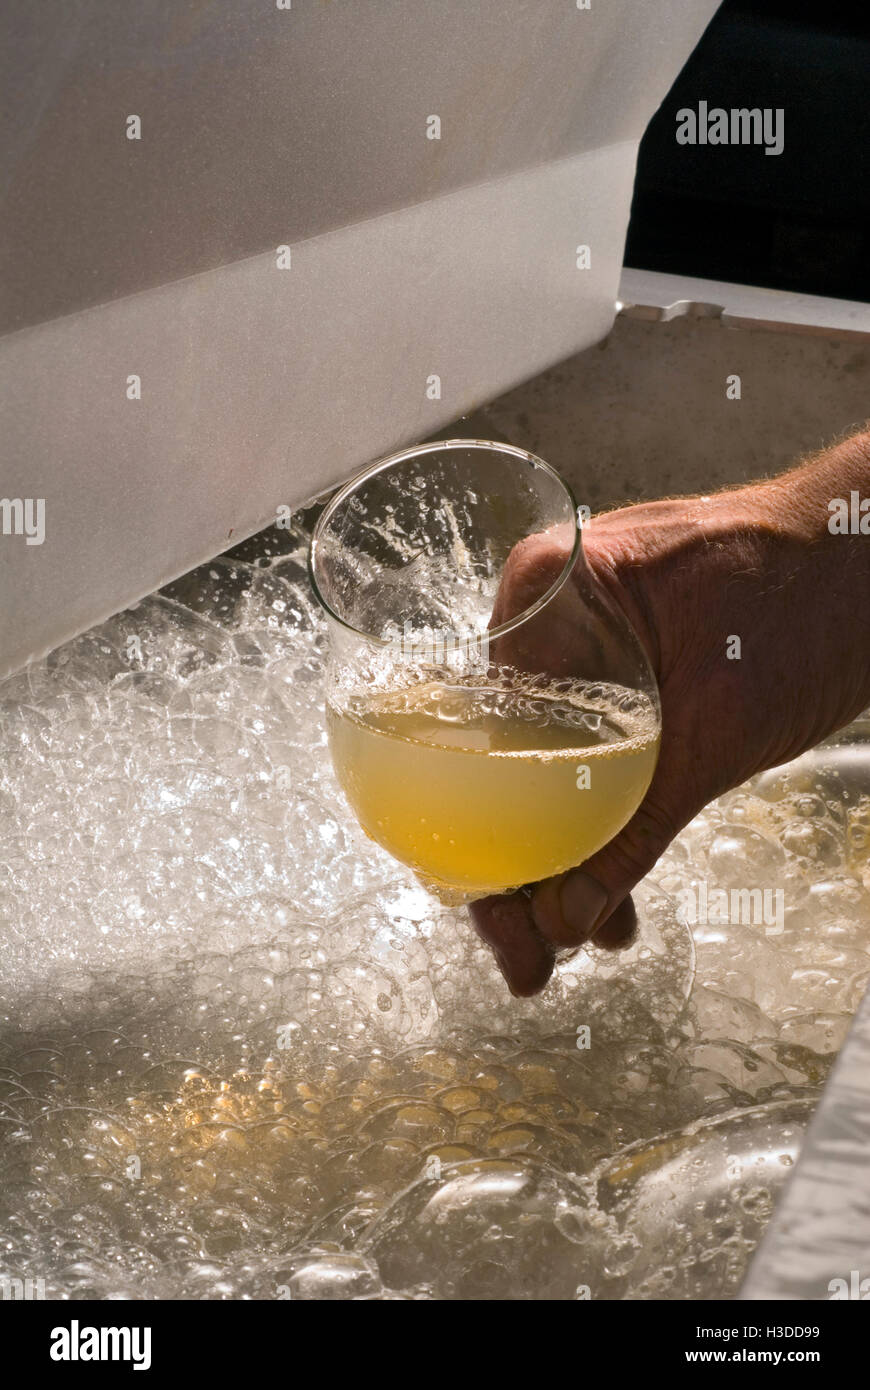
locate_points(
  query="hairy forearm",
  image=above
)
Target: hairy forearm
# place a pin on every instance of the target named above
(828, 495)
(823, 507)
(769, 563)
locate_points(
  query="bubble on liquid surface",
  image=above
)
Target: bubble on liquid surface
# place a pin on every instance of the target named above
(487, 1230)
(697, 1200)
(239, 1043)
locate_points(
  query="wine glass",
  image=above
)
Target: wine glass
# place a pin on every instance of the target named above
(492, 716)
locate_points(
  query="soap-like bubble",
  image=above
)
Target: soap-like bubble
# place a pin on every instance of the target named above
(487, 1230)
(244, 1054)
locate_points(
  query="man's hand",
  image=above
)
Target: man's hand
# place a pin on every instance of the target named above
(759, 564)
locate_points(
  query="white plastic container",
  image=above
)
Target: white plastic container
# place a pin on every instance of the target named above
(166, 387)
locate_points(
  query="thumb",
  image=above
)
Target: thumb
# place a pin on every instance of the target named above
(575, 906)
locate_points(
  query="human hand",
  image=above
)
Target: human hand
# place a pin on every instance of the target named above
(691, 574)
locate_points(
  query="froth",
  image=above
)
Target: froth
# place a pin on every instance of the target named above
(245, 1055)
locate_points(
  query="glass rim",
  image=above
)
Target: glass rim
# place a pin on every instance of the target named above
(414, 451)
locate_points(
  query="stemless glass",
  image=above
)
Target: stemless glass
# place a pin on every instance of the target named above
(492, 716)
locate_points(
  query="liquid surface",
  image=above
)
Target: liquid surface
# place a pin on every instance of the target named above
(483, 788)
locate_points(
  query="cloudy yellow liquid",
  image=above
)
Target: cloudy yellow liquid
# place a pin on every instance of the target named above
(482, 789)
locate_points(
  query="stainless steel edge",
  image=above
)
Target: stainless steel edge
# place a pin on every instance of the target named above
(817, 1245)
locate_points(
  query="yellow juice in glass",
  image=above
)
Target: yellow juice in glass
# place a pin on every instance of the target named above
(482, 788)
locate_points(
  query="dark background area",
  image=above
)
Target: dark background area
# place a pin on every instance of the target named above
(795, 221)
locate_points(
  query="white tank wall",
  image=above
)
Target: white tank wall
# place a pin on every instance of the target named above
(410, 257)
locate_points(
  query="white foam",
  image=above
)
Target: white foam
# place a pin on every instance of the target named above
(237, 1036)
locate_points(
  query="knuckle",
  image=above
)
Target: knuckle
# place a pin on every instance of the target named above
(644, 839)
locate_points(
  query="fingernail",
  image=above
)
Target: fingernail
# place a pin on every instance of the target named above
(582, 900)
